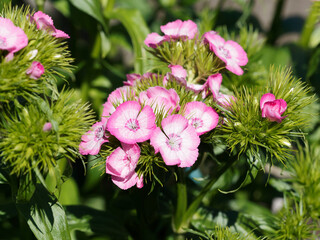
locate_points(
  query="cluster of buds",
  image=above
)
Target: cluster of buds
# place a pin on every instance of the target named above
(14, 39)
(169, 113)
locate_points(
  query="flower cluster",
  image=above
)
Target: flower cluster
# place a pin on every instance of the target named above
(13, 39)
(168, 113)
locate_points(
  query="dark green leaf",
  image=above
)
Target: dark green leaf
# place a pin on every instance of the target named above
(90, 220)
(45, 216)
(92, 8)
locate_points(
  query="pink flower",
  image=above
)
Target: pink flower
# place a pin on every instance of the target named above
(121, 166)
(12, 38)
(178, 73)
(120, 95)
(108, 109)
(214, 82)
(154, 40)
(178, 142)
(133, 78)
(173, 30)
(35, 70)
(93, 139)
(272, 108)
(45, 22)
(201, 117)
(47, 127)
(130, 125)
(160, 98)
(180, 29)
(229, 52)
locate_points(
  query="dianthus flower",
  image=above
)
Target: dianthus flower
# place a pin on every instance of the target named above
(130, 125)
(229, 52)
(202, 117)
(12, 38)
(121, 166)
(272, 108)
(160, 98)
(45, 22)
(35, 70)
(93, 139)
(173, 30)
(177, 143)
(214, 83)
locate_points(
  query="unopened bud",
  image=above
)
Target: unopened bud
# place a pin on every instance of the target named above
(32, 54)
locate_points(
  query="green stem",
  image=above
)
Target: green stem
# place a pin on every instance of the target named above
(309, 25)
(197, 201)
(181, 200)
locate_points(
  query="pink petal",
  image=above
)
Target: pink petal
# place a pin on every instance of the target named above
(234, 68)
(268, 97)
(271, 110)
(178, 71)
(116, 162)
(214, 83)
(47, 127)
(133, 151)
(174, 124)
(188, 29)
(12, 38)
(108, 109)
(60, 34)
(172, 28)
(214, 40)
(126, 183)
(40, 15)
(188, 157)
(153, 40)
(35, 70)
(158, 139)
(237, 53)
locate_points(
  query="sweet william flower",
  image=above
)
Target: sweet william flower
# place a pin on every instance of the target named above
(272, 108)
(12, 38)
(177, 142)
(35, 70)
(202, 117)
(47, 127)
(130, 124)
(160, 98)
(45, 22)
(229, 52)
(180, 29)
(93, 139)
(173, 30)
(121, 166)
(214, 83)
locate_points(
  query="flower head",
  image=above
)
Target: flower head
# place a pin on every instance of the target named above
(178, 142)
(130, 125)
(160, 98)
(121, 166)
(35, 70)
(229, 52)
(272, 108)
(173, 30)
(93, 139)
(120, 95)
(45, 22)
(201, 117)
(180, 29)
(47, 127)
(12, 38)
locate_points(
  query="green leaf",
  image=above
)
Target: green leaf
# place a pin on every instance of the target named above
(45, 216)
(4, 2)
(92, 8)
(90, 220)
(138, 31)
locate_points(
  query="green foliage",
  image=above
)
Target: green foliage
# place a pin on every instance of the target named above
(44, 215)
(293, 223)
(305, 169)
(52, 53)
(25, 146)
(244, 128)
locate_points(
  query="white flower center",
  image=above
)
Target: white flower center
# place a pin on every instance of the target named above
(3, 42)
(174, 142)
(99, 133)
(196, 123)
(224, 52)
(132, 125)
